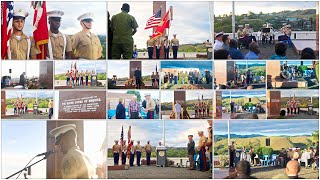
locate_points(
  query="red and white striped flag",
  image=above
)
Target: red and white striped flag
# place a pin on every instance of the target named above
(6, 26)
(154, 20)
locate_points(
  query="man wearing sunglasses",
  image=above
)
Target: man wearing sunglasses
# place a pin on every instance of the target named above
(59, 46)
(85, 44)
(75, 163)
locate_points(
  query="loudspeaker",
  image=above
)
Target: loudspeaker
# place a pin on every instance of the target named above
(268, 142)
(249, 99)
(10, 71)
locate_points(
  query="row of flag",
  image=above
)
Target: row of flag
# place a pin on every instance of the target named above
(159, 24)
(40, 26)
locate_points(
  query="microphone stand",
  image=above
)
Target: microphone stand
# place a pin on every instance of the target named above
(44, 158)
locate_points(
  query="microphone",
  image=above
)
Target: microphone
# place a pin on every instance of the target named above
(45, 153)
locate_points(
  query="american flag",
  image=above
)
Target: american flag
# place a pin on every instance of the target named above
(154, 20)
(6, 25)
(121, 137)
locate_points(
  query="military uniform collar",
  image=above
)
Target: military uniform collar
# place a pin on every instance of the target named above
(23, 36)
(51, 34)
(85, 34)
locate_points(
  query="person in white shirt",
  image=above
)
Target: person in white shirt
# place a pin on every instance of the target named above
(218, 44)
(177, 108)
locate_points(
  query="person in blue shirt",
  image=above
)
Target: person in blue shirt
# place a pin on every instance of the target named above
(280, 50)
(120, 110)
(234, 52)
(254, 50)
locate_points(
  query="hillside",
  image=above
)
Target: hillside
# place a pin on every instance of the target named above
(276, 142)
(199, 47)
(100, 76)
(190, 104)
(300, 20)
(304, 101)
(171, 152)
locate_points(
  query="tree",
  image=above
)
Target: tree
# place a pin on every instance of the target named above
(315, 136)
(135, 93)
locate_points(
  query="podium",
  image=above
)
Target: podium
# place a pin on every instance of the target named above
(161, 155)
(94, 80)
(237, 156)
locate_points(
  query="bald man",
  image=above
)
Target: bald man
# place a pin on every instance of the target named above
(293, 169)
(243, 170)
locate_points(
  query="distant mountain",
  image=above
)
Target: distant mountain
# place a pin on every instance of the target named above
(221, 137)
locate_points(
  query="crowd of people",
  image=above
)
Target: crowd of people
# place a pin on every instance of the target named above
(291, 159)
(148, 106)
(21, 107)
(121, 152)
(226, 48)
(76, 78)
(235, 108)
(201, 110)
(191, 77)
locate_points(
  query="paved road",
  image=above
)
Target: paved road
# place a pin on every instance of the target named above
(153, 172)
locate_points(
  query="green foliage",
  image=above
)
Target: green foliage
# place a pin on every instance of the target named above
(248, 104)
(302, 68)
(42, 102)
(100, 76)
(224, 22)
(135, 93)
(264, 151)
(315, 136)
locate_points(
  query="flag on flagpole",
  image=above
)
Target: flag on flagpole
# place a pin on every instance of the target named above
(6, 26)
(129, 142)
(40, 27)
(165, 23)
(121, 142)
(154, 20)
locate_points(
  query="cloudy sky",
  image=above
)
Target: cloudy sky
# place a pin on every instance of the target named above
(154, 93)
(29, 94)
(190, 20)
(176, 132)
(17, 67)
(241, 93)
(168, 95)
(121, 68)
(251, 63)
(202, 65)
(69, 24)
(61, 67)
(17, 150)
(300, 93)
(307, 63)
(267, 127)
(244, 7)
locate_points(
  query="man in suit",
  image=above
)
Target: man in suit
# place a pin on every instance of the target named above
(191, 151)
(137, 75)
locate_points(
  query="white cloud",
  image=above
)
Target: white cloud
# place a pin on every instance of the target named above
(190, 20)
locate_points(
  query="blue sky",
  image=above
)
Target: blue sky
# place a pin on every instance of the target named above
(190, 27)
(226, 94)
(267, 127)
(243, 7)
(202, 65)
(307, 63)
(69, 24)
(61, 67)
(176, 133)
(21, 140)
(300, 93)
(29, 94)
(250, 63)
